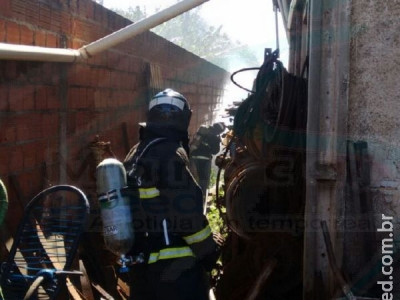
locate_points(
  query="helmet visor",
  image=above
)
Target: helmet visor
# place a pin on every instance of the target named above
(167, 108)
(167, 101)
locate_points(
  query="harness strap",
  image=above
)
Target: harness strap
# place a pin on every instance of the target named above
(134, 164)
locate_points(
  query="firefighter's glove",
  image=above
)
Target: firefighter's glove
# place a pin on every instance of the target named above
(219, 239)
(209, 260)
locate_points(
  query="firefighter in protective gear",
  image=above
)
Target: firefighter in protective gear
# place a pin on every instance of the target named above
(204, 145)
(169, 224)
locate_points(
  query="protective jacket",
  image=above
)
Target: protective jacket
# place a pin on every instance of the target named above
(170, 228)
(206, 145)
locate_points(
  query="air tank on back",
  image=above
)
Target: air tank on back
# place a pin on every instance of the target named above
(114, 208)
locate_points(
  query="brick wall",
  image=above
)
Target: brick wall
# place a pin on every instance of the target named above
(50, 113)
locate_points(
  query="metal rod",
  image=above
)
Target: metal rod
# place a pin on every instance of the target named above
(332, 262)
(276, 27)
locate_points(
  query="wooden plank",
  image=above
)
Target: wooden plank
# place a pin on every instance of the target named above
(102, 292)
(85, 282)
(123, 288)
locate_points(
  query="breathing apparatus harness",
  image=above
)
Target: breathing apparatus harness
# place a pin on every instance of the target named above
(134, 165)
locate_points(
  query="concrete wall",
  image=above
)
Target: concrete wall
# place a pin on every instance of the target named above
(374, 95)
(50, 113)
(374, 108)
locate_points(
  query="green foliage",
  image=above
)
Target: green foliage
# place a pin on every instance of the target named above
(217, 224)
(215, 219)
(191, 32)
(213, 177)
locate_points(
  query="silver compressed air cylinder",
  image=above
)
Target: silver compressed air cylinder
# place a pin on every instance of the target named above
(115, 209)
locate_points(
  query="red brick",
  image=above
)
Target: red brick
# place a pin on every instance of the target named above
(29, 98)
(79, 75)
(29, 155)
(32, 12)
(41, 153)
(28, 127)
(84, 75)
(73, 97)
(106, 96)
(115, 80)
(85, 121)
(21, 98)
(4, 90)
(4, 158)
(71, 75)
(113, 60)
(98, 13)
(11, 67)
(53, 99)
(93, 61)
(31, 183)
(71, 124)
(66, 21)
(94, 77)
(111, 100)
(78, 29)
(26, 35)
(8, 132)
(50, 124)
(77, 43)
(41, 97)
(55, 21)
(51, 40)
(18, 9)
(2, 31)
(101, 59)
(16, 159)
(90, 98)
(16, 98)
(13, 33)
(104, 78)
(89, 10)
(53, 72)
(76, 98)
(5, 7)
(100, 98)
(40, 38)
(44, 17)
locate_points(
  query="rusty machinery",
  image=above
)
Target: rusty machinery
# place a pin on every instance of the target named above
(264, 189)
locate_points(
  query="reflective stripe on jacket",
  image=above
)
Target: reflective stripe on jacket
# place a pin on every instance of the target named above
(148, 193)
(198, 236)
(169, 253)
(177, 252)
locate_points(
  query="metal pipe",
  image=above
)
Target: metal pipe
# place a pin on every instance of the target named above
(141, 26)
(326, 127)
(35, 53)
(310, 238)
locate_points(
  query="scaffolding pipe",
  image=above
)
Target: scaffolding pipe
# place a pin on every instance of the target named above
(35, 53)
